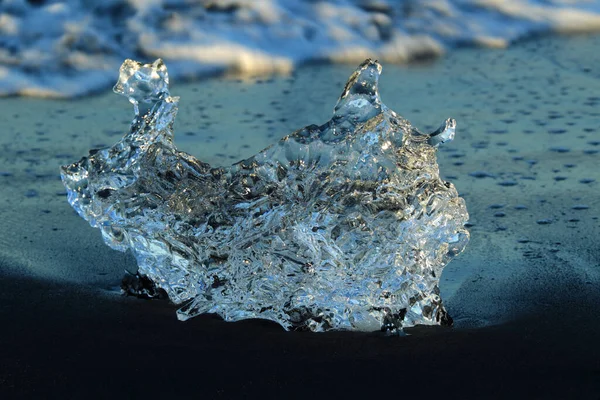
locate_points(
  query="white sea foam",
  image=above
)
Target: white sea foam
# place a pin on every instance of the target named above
(72, 47)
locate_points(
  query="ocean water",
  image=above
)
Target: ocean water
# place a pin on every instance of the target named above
(524, 158)
(66, 48)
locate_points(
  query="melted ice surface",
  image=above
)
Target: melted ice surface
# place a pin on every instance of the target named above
(341, 226)
(70, 47)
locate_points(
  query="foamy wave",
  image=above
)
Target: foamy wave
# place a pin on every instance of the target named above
(73, 47)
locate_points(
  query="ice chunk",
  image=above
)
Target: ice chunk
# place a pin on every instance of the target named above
(341, 226)
(142, 83)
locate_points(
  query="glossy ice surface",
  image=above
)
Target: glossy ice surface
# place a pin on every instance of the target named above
(341, 226)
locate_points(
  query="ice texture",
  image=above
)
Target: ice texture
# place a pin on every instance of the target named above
(346, 225)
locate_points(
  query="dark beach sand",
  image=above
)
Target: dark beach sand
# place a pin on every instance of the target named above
(525, 294)
(60, 341)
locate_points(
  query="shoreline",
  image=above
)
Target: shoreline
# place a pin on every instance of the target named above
(87, 41)
(231, 75)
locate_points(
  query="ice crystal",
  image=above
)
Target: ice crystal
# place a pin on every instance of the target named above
(346, 225)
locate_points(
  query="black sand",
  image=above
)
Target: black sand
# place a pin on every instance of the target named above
(66, 342)
(524, 295)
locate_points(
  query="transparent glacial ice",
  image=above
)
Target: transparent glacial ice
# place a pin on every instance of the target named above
(346, 225)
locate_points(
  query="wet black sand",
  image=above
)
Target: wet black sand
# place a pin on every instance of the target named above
(525, 158)
(61, 341)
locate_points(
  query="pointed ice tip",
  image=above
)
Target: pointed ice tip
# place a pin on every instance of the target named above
(360, 99)
(364, 80)
(143, 83)
(444, 134)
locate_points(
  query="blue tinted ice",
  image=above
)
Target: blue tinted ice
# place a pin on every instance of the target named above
(346, 225)
(147, 84)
